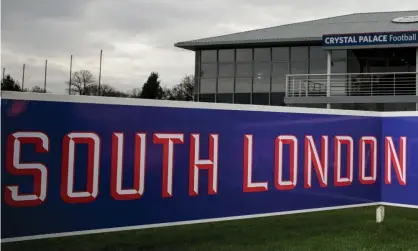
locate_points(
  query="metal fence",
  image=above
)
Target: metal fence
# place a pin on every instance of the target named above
(352, 84)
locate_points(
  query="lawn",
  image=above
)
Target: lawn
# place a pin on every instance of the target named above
(350, 229)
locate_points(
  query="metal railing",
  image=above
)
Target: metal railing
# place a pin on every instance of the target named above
(352, 84)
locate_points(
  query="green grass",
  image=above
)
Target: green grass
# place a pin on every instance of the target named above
(350, 229)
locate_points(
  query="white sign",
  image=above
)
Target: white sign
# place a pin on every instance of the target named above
(407, 19)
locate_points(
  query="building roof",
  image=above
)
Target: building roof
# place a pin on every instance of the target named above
(311, 31)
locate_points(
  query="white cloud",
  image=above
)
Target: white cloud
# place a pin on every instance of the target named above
(138, 36)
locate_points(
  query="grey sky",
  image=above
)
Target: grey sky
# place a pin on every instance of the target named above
(137, 36)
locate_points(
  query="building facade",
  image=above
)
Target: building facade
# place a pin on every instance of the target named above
(371, 65)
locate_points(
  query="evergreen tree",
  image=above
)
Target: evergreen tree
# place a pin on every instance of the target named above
(152, 88)
(9, 84)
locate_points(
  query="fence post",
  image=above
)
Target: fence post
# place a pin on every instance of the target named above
(380, 214)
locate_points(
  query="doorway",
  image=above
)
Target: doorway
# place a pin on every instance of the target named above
(384, 72)
(382, 60)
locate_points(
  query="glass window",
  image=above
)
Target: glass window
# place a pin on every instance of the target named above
(226, 55)
(260, 99)
(318, 66)
(278, 85)
(208, 86)
(224, 98)
(262, 54)
(317, 52)
(299, 68)
(244, 70)
(262, 70)
(243, 85)
(339, 54)
(277, 98)
(300, 82)
(261, 84)
(209, 56)
(226, 70)
(225, 85)
(339, 85)
(208, 71)
(299, 53)
(242, 98)
(207, 98)
(280, 54)
(196, 97)
(280, 69)
(339, 66)
(354, 65)
(244, 55)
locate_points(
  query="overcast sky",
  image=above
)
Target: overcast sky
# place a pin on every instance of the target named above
(138, 36)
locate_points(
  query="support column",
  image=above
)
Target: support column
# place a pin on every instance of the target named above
(416, 76)
(329, 60)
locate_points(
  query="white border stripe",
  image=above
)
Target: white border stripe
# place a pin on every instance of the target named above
(180, 223)
(399, 114)
(194, 105)
(389, 204)
(175, 104)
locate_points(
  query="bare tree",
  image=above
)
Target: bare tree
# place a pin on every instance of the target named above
(183, 91)
(38, 89)
(81, 82)
(105, 90)
(135, 93)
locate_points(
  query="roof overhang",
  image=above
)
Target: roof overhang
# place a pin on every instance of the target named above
(195, 45)
(373, 24)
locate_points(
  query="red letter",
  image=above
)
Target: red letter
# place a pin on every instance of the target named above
(168, 140)
(372, 141)
(321, 166)
(68, 167)
(392, 157)
(292, 141)
(118, 193)
(250, 186)
(210, 164)
(338, 141)
(12, 196)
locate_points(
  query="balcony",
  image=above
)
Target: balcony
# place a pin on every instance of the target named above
(352, 88)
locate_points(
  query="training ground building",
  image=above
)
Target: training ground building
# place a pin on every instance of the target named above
(364, 61)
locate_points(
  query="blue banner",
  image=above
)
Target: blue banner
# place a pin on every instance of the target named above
(348, 40)
(400, 184)
(78, 166)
